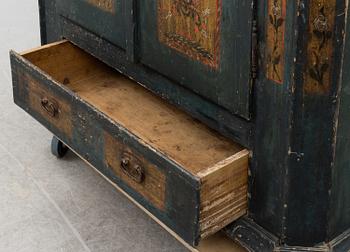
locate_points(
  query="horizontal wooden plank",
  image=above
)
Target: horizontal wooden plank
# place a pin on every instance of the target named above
(214, 116)
(186, 164)
(164, 127)
(224, 193)
(87, 139)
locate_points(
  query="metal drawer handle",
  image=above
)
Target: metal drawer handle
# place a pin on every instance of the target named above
(133, 171)
(51, 107)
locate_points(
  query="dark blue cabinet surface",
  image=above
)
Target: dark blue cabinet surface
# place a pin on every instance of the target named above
(270, 74)
(102, 17)
(202, 45)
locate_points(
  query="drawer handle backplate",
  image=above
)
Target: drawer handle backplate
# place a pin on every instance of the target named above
(134, 171)
(51, 107)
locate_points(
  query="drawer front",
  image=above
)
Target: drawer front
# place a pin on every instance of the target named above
(163, 188)
(102, 17)
(135, 139)
(136, 171)
(45, 104)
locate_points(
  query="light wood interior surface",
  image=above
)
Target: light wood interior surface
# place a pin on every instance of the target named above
(160, 125)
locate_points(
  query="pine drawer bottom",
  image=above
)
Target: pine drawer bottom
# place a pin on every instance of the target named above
(186, 175)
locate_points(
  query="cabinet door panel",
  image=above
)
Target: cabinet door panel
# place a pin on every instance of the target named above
(102, 17)
(204, 45)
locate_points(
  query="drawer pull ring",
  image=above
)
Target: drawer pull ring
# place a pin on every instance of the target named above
(50, 107)
(134, 171)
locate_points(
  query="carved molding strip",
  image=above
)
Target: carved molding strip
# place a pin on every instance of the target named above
(320, 46)
(275, 40)
(192, 28)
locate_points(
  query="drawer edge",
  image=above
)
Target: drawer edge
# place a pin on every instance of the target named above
(200, 247)
(82, 109)
(214, 116)
(224, 193)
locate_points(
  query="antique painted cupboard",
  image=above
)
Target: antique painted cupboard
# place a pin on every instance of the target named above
(251, 134)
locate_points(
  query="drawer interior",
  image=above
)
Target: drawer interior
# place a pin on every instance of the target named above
(172, 132)
(200, 170)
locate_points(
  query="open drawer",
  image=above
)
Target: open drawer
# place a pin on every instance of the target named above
(187, 175)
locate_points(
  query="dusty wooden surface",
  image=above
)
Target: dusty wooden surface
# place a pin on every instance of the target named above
(162, 126)
(182, 163)
(224, 193)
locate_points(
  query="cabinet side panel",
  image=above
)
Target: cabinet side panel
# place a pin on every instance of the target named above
(314, 120)
(49, 26)
(272, 116)
(340, 201)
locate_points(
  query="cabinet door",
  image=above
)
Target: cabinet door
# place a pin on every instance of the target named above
(104, 18)
(204, 45)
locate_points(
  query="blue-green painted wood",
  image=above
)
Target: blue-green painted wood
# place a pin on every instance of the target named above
(211, 114)
(182, 188)
(340, 200)
(228, 86)
(107, 24)
(298, 191)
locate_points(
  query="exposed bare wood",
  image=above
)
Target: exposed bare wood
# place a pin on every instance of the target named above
(220, 164)
(57, 112)
(223, 193)
(162, 126)
(42, 48)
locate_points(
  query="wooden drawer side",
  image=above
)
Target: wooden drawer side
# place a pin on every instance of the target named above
(189, 176)
(223, 193)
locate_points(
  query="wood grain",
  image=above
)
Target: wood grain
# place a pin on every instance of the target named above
(223, 193)
(219, 164)
(164, 127)
(152, 188)
(63, 62)
(36, 93)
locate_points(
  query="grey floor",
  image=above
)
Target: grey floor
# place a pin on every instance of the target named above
(56, 205)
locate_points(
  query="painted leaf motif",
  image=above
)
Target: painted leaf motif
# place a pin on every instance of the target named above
(313, 73)
(329, 34)
(279, 22)
(275, 40)
(324, 67)
(318, 34)
(277, 60)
